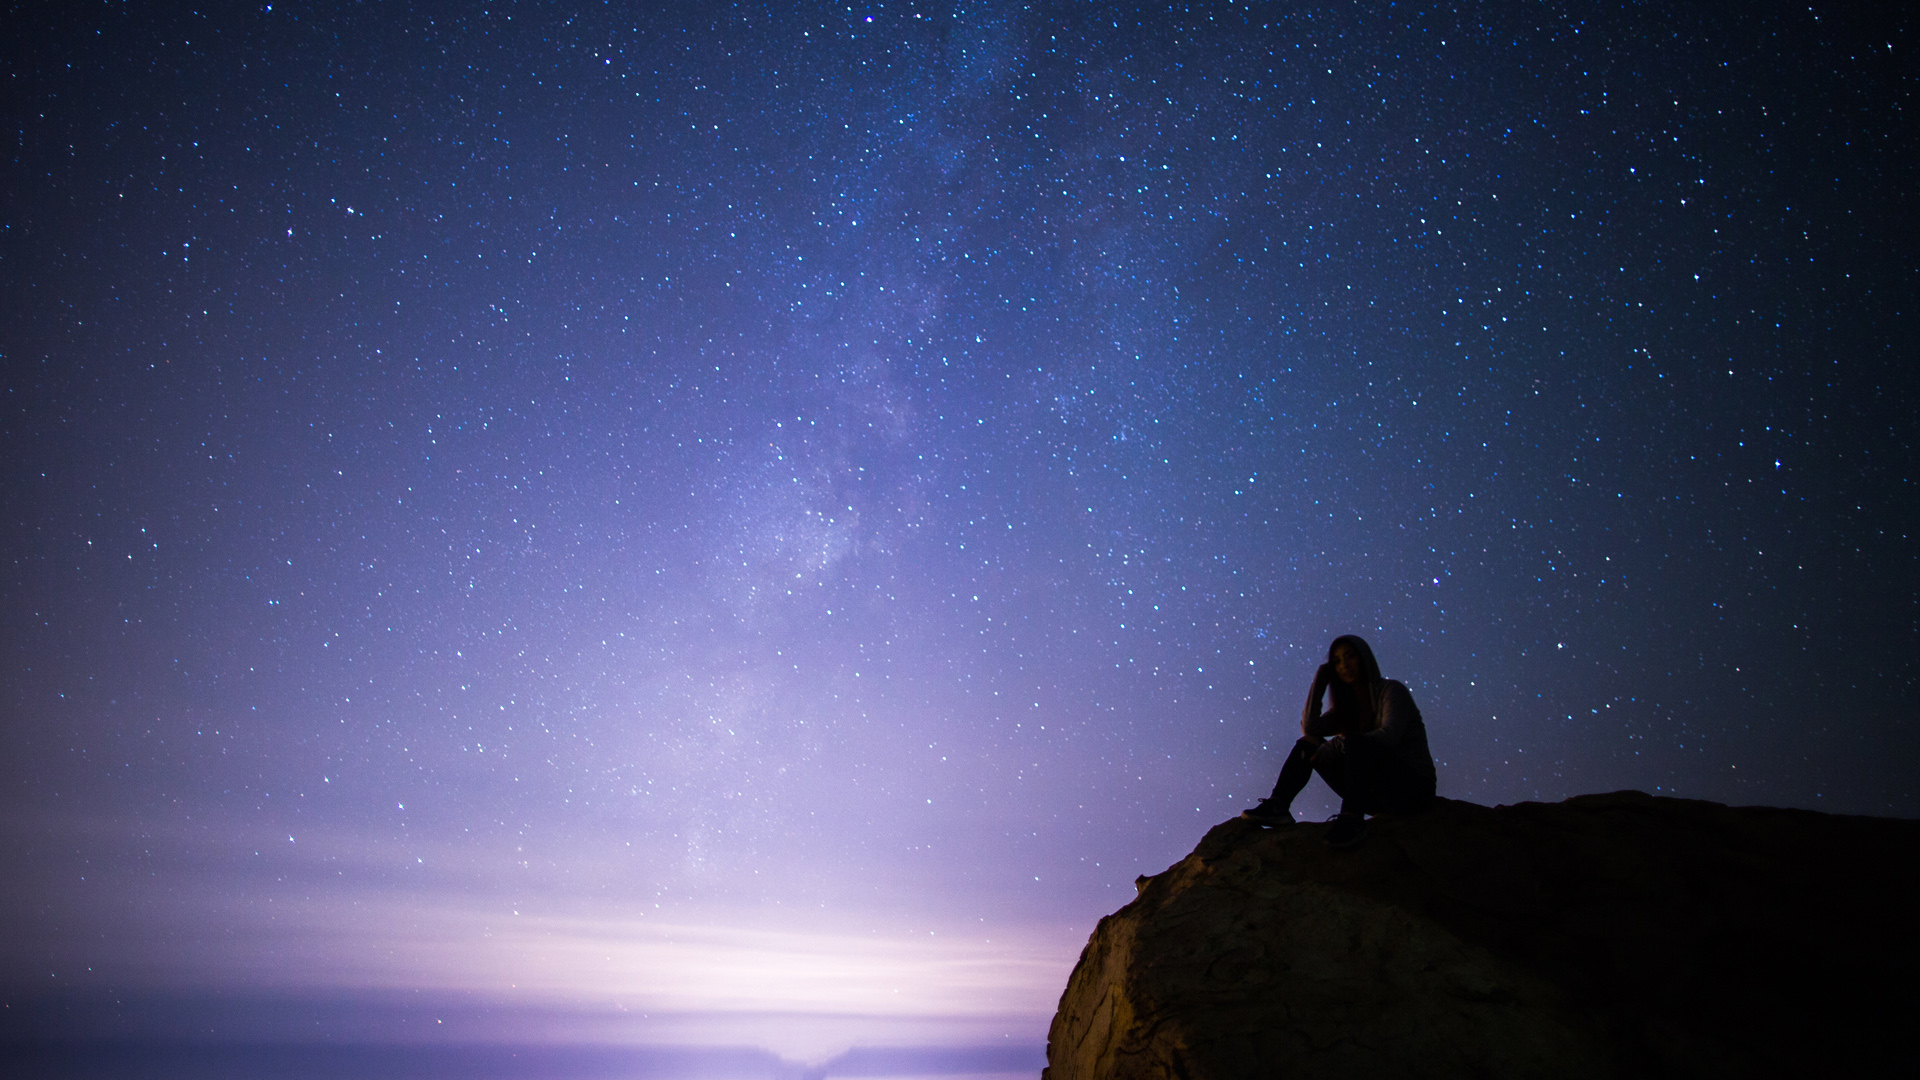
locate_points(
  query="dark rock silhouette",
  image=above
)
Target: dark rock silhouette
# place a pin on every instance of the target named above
(1606, 936)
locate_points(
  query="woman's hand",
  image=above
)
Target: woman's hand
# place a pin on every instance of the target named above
(1327, 752)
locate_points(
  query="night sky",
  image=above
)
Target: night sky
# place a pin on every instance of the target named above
(753, 524)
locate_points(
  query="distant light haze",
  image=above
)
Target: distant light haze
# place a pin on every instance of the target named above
(752, 524)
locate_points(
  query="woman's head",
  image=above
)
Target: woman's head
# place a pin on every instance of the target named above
(1353, 662)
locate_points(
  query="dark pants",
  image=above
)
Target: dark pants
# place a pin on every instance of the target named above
(1368, 777)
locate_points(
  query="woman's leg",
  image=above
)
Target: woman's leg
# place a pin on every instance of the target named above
(1377, 781)
(1331, 764)
(1295, 773)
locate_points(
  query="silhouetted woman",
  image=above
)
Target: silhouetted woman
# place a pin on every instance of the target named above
(1370, 747)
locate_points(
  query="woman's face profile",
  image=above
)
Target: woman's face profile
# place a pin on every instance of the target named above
(1346, 663)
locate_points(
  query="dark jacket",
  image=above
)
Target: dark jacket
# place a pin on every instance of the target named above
(1395, 725)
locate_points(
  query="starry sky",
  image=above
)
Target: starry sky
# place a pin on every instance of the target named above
(746, 524)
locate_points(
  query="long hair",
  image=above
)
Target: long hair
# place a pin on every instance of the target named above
(1370, 680)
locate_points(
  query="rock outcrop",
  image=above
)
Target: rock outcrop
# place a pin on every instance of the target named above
(1606, 936)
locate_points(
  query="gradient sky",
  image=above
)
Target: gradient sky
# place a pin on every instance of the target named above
(742, 523)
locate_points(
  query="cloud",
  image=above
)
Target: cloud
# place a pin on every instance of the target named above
(265, 946)
(636, 963)
(554, 967)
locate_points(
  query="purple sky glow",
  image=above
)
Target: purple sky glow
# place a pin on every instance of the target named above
(707, 524)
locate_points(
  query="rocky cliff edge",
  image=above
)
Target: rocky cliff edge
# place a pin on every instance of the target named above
(1616, 935)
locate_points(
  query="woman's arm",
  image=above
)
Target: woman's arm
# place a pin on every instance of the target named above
(1310, 717)
(1397, 714)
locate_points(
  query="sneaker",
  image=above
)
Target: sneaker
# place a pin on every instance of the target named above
(1268, 813)
(1347, 830)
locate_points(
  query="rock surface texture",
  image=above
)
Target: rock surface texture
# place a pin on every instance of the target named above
(1606, 936)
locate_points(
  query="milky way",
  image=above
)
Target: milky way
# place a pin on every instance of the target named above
(713, 512)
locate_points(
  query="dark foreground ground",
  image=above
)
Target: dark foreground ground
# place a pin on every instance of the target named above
(1606, 936)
